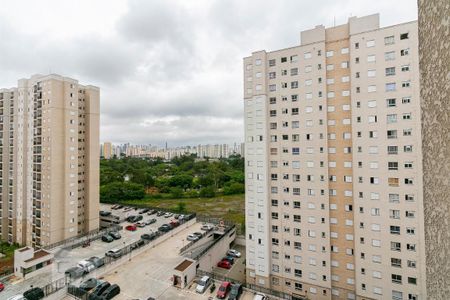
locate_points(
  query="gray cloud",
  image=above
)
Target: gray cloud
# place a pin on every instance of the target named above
(171, 70)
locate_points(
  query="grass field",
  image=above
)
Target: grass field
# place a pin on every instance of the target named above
(7, 262)
(227, 207)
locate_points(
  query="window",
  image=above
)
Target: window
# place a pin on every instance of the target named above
(391, 102)
(396, 246)
(272, 87)
(344, 50)
(330, 53)
(396, 278)
(294, 71)
(389, 40)
(371, 73)
(404, 36)
(389, 55)
(395, 229)
(272, 75)
(371, 58)
(294, 58)
(294, 84)
(406, 84)
(257, 62)
(404, 52)
(307, 55)
(284, 59)
(272, 62)
(390, 71)
(405, 68)
(391, 118)
(406, 100)
(390, 87)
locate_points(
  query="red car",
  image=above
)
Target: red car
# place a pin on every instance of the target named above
(131, 227)
(223, 290)
(2, 286)
(174, 223)
(224, 264)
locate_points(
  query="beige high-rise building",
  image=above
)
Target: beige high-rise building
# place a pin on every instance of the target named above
(334, 192)
(49, 178)
(107, 150)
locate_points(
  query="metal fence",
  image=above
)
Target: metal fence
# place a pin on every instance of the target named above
(252, 287)
(55, 286)
(76, 241)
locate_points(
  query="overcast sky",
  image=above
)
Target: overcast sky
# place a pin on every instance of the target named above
(168, 70)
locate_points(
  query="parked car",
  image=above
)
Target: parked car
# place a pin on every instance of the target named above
(115, 253)
(203, 284)
(207, 227)
(174, 223)
(235, 292)
(176, 216)
(168, 215)
(110, 292)
(148, 236)
(192, 237)
(2, 286)
(229, 258)
(131, 227)
(114, 206)
(16, 297)
(115, 235)
(160, 213)
(127, 209)
(144, 211)
(223, 290)
(99, 290)
(34, 294)
(165, 228)
(119, 206)
(199, 234)
(107, 238)
(97, 261)
(90, 284)
(74, 272)
(151, 212)
(259, 296)
(225, 264)
(87, 266)
(141, 224)
(234, 253)
(150, 221)
(104, 213)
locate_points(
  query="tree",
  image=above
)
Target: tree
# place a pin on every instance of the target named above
(183, 181)
(120, 191)
(234, 188)
(181, 207)
(176, 192)
(207, 192)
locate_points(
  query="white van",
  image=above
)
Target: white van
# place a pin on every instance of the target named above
(87, 266)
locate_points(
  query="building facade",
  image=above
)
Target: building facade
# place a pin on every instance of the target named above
(334, 192)
(434, 52)
(49, 128)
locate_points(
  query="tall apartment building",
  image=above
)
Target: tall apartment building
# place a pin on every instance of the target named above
(107, 150)
(49, 133)
(334, 195)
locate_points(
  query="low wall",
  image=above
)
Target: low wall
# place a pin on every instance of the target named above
(240, 240)
(209, 259)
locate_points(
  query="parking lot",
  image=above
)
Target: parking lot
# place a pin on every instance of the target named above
(237, 271)
(66, 258)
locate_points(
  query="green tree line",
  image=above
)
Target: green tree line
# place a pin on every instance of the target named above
(129, 178)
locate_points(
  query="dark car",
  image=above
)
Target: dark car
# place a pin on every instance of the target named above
(89, 284)
(199, 234)
(105, 213)
(151, 221)
(236, 292)
(165, 228)
(229, 258)
(148, 236)
(115, 235)
(110, 292)
(99, 290)
(34, 294)
(160, 213)
(144, 211)
(97, 261)
(74, 272)
(107, 238)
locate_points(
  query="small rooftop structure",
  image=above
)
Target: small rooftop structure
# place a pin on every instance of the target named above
(28, 263)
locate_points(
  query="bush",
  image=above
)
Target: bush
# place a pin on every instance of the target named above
(207, 192)
(234, 188)
(120, 191)
(176, 192)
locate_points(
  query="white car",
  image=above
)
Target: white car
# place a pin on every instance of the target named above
(140, 224)
(203, 284)
(17, 297)
(207, 227)
(192, 237)
(260, 297)
(168, 215)
(234, 253)
(87, 266)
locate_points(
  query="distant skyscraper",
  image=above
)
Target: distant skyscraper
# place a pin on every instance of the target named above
(107, 150)
(334, 192)
(50, 162)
